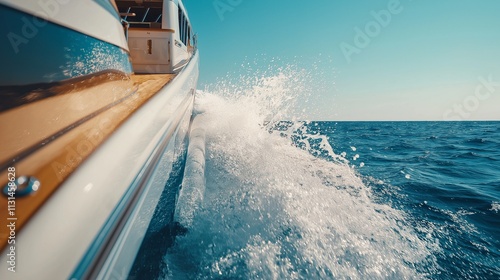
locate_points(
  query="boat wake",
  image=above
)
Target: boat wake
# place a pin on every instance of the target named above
(273, 209)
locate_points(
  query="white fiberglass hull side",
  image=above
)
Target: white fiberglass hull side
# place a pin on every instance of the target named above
(55, 243)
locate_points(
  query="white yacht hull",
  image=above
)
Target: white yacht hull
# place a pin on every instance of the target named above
(52, 244)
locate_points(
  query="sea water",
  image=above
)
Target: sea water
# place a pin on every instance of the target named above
(338, 200)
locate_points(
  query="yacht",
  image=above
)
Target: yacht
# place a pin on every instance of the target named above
(96, 105)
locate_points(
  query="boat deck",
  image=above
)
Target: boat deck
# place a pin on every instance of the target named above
(151, 82)
(49, 138)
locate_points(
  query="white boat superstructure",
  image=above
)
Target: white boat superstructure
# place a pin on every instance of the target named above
(158, 44)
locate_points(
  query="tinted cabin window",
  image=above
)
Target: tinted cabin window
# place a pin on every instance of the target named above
(180, 23)
(185, 30)
(142, 17)
(183, 27)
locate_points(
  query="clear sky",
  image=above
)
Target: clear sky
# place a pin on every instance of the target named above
(384, 59)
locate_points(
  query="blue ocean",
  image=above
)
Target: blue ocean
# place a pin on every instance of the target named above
(337, 200)
(444, 177)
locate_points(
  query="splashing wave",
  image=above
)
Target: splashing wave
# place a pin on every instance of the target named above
(273, 210)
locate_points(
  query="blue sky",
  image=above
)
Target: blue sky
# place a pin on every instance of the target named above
(383, 59)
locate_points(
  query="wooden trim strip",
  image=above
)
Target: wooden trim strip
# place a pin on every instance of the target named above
(36, 123)
(44, 142)
(14, 96)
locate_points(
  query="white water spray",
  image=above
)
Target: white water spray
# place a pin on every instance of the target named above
(273, 211)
